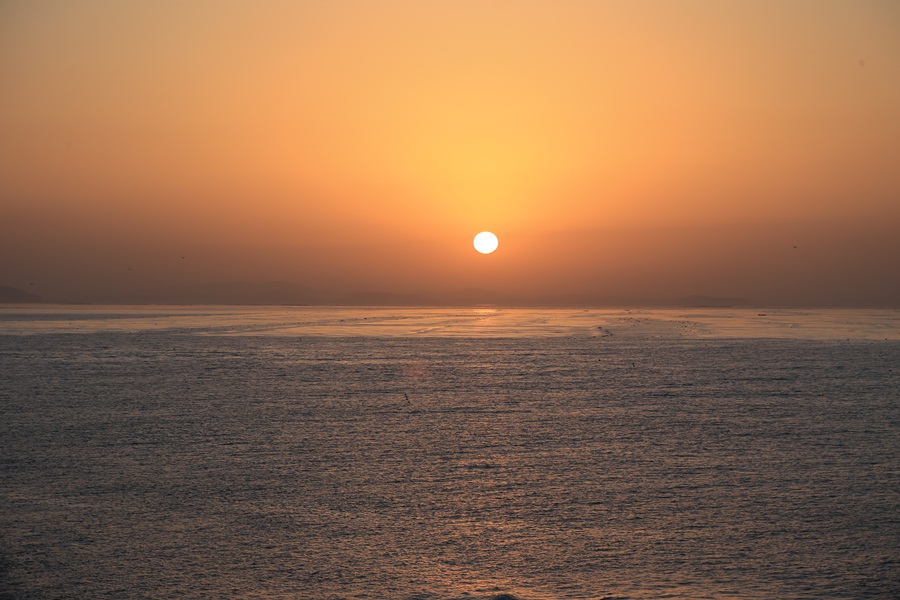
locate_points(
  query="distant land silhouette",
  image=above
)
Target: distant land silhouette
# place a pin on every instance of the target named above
(274, 292)
(384, 299)
(698, 301)
(11, 295)
(282, 293)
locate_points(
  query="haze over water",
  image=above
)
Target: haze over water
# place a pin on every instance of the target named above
(417, 454)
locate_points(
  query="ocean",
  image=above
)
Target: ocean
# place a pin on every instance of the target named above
(413, 454)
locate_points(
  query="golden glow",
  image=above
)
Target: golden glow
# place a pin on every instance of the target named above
(654, 148)
(486, 242)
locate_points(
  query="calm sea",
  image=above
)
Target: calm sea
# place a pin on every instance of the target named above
(162, 453)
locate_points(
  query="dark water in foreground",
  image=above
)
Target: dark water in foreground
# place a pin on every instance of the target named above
(165, 465)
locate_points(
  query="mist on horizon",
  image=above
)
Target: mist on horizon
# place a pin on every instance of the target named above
(619, 151)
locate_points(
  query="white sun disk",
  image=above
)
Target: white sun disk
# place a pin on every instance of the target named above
(486, 242)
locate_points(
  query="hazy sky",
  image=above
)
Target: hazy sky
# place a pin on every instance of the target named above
(618, 149)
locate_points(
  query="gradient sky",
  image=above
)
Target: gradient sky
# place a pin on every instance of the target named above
(618, 149)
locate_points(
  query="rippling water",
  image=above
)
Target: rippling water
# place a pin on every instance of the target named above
(167, 463)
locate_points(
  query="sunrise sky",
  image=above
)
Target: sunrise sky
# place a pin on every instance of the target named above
(619, 150)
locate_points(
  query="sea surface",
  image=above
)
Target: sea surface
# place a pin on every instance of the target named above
(245, 452)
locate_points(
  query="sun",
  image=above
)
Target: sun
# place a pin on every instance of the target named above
(486, 242)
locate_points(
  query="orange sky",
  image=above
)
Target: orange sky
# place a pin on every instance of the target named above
(618, 149)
